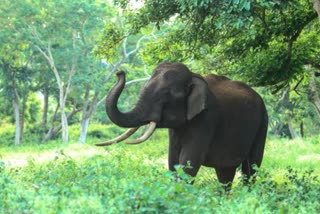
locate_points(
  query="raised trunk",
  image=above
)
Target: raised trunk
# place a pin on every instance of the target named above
(130, 119)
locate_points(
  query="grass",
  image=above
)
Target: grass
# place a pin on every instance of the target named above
(78, 178)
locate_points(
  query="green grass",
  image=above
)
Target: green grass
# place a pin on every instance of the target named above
(77, 178)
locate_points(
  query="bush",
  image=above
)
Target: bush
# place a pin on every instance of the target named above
(122, 184)
(7, 134)
(134, 179)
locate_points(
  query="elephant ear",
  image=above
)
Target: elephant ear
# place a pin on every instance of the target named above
(198, 97)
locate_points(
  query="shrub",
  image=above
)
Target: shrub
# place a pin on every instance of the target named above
(134, 179)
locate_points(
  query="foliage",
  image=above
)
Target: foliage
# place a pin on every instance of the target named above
(257, 41)
(254, 40)
(49, 50)
(134, 179)
(271, 51)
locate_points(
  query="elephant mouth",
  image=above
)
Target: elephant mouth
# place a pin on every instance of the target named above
(147, 134)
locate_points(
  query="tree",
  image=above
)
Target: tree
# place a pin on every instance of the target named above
(230, 29)
(65, 38)
(114, 57)
(16, 87)
(15, 61)
(316, 5)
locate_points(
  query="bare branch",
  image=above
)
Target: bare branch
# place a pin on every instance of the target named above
(279, 87)
(102, 100)
(137, 80)
(124, 56)
(137, 46)
(35, 34)
(73, 67)
(297, 85)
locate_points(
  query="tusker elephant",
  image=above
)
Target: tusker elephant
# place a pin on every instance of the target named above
(213, 121)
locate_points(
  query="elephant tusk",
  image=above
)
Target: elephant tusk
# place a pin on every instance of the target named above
(120, 138)
(146, 135)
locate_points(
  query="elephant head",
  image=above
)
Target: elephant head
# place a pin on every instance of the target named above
(171, 97)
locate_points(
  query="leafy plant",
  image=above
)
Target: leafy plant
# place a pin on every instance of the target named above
(79, 178)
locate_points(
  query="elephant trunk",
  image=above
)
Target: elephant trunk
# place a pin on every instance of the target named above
(128, 119)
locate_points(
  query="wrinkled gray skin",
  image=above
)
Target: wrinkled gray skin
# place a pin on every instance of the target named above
(213, 121)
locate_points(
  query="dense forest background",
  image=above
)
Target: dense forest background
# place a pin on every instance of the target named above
(57, 59)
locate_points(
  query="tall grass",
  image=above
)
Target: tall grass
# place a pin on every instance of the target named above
(78, 178)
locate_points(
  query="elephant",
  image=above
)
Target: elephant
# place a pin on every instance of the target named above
(213, 121)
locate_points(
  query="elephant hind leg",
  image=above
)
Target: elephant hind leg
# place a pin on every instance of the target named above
(226, 176)
(254, 160)
(247, 171)
(256, 152)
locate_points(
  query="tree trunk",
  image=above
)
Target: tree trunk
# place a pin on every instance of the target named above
(23, 115)
(50, 132)
(16, 109)
(282, 128)
(53, 130)
(64, 120)
(84, 120)
(301, 130)
(290, 126)
(290, 107)
(316, 6)
(63, 91)
(313, 94)
(49, 135)
(45, 108)
(84, 130)
(64, 126)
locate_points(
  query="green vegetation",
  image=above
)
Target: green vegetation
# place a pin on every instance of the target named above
(73, 178)
(58, 59)
(57, 63)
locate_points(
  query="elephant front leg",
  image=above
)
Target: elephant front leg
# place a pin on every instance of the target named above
(174, 151)
(185, 150)
(173, 157)
(226, 176)
(191, 160)
(188, 165)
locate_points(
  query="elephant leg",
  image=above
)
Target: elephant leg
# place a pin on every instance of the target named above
(256, 153)
(192, 143)
(173, 157)
(192, 158)
(247, 171)
(174, 151)
(226, 176)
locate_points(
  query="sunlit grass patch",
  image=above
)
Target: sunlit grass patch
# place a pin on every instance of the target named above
(302, 154)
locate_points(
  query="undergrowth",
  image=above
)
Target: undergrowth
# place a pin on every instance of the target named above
(135, 179)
